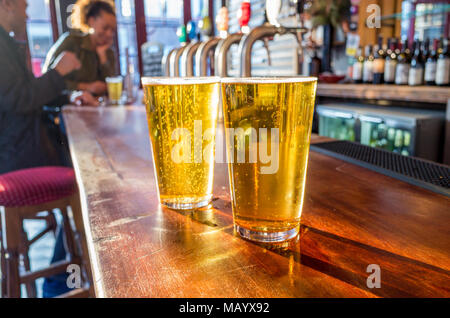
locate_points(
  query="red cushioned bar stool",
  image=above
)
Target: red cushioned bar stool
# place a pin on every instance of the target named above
(35, 194)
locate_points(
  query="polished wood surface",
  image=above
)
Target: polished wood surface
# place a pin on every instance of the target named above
(424, 94)
(352, 217)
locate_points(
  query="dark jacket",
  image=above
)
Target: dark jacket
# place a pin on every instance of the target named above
(24, 141)
(91, 70)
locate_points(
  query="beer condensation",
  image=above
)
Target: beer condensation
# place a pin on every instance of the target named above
(269, 202)
(183, 183)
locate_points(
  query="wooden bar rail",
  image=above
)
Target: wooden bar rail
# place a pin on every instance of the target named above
(352, 217)
(420, 94)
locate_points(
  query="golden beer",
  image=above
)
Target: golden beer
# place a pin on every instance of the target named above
(272, 116)
(182, 119)
(115, 89)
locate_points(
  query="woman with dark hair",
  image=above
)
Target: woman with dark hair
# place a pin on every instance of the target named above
(94, 23)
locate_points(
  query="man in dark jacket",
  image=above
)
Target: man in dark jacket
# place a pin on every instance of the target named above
(24, 142)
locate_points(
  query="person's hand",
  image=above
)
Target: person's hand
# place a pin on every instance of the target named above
(66, 63)
(97, 88)
(80, 98)
(101, 51)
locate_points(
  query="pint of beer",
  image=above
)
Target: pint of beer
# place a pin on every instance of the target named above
(268, 125)
(115, 89)
(182, 119)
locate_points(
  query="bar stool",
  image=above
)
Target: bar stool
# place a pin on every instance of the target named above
(35, 194)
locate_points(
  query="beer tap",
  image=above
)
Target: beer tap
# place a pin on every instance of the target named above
(298, 7)
(169, 59)
(205, 51)
(201, 57)
(222, 22)
(265, 32)
(224, 45)
(166, 62)
(188, 54)
(266, 46)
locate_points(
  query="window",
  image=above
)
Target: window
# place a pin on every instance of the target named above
(126, 33)
(430, 20)
(198, 9)
(163, 17)
(40, 34)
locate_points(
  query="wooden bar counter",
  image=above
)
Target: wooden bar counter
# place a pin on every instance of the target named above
(352, 217)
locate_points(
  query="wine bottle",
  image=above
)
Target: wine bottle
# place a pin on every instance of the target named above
(403, 65)
(368, 66)
(390, 63)
(417, 66)
(378, 62)
(425, 50)
(357, 74)
(443, 65)
(431, 64)
(398, 47)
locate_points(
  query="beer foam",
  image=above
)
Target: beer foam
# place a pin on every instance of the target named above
(180, 80)
(268, 80)
(116, 79)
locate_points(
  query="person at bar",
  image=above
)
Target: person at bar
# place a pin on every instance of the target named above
(24, 140)
(95, 25)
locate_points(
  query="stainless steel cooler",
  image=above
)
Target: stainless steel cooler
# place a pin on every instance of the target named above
(409, 132)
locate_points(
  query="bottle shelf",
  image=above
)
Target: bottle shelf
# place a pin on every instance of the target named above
(424, 94)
